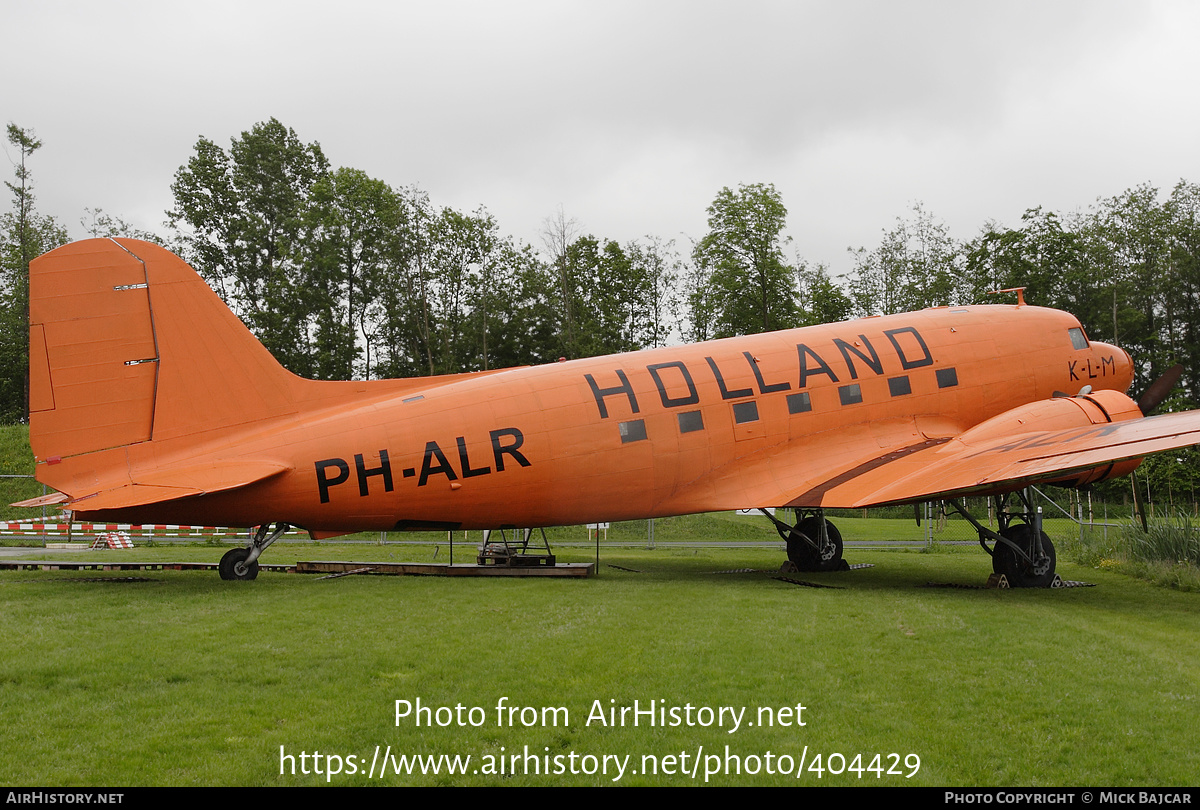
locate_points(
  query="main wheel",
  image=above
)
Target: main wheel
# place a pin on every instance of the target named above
(1020, 572)
(233, 565)
(808, 558)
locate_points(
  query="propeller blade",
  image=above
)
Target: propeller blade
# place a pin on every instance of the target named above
(1159, 390)
(1139, 509)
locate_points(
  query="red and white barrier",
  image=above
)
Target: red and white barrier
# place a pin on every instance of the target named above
(147, 531)
(113, 540)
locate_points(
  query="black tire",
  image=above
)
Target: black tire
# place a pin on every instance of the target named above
(808, 558)
(1020, 572)
(233, 565)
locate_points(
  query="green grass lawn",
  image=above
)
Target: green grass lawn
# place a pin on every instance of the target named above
(186, 679)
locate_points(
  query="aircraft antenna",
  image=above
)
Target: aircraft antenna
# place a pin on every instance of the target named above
(1020, 291)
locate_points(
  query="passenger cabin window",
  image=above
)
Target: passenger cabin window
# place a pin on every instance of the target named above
(1078, 341)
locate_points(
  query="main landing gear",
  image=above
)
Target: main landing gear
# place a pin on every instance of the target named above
(813, 543)
(1021, 551)
(242, 563)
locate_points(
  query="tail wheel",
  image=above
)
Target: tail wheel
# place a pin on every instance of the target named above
(233, 565)
(1022, 573)
(807, 558)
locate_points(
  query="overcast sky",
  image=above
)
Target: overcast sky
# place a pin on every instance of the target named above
(631, 116)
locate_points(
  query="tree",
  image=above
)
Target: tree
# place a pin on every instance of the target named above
(659, 267)
(558, 233)
(1184, 260)
(598, 275)
(820, 300)
(1042, 255)
(1147, 249)
(243, 213)
(454, 296)
(1127, 239)
(747, 285)
(462, 273)
(916, 265)
(697, 291)
(523, 322)
(620, 296)
(26, 143)
(24, 235)
(348, 239)
(99, 223)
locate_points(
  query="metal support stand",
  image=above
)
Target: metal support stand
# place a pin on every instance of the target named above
(514, 553)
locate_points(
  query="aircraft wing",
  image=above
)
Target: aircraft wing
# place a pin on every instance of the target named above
(964, 466)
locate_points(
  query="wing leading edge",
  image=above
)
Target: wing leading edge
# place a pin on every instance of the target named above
(967, 465)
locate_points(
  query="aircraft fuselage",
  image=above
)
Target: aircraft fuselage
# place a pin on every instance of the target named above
(719, 425)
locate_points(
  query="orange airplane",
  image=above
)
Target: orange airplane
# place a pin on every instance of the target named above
(150, 402)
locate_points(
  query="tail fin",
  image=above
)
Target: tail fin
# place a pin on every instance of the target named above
(135, 363)
(127, 344)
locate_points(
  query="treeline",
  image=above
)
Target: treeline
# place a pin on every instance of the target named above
(24, 235)
(342, 275)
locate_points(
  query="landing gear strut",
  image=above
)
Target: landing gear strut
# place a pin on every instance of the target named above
(1021, 550)
(242, 563)
(813, 544)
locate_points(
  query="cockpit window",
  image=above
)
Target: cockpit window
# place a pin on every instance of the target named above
(1078, 340)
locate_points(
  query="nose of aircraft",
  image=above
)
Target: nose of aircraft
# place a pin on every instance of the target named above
(1121, 361)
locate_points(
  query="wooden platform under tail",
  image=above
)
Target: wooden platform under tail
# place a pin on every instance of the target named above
(393, 569)
(446, 570)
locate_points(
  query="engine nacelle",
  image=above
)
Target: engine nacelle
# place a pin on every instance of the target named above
(1064, 413)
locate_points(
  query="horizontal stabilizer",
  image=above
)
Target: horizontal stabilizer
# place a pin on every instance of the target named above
(179, 482)
(43, 500)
